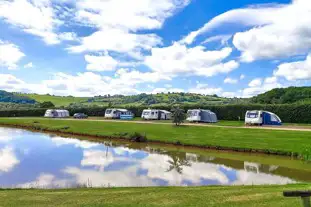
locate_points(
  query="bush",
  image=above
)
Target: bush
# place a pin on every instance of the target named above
(289, 113)
(137, 137)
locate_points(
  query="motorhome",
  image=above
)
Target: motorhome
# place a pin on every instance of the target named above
(56, 113)
(260, 118)
(118, 114)
(155, 114)
(199, 115)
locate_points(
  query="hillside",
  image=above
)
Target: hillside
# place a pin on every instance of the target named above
(275, 96)
(6, 97)
(284, 96)
(134, 100)
(56, 100)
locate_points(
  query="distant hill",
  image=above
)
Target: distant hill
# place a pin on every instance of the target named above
(6, 97)
(275, 96)
(134, 100)
(284, 96)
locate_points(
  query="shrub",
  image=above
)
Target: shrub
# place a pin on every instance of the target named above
(137, 137)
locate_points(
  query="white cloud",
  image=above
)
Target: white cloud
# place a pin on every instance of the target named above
(46, 180)
(258, 86)
(8, 159)
(242, 77)
(100, 63)
(118, 20)
(59, 141)
(280, 30)
(255, 83)
(34, 17)
(222, 38)
(178, 59)
(300, 70)
(231, 81)
(123, 14)
(205, 89)
(10, 55)
(29, 65)
(118, 41)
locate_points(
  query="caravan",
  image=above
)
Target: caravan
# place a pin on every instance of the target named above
(198, 115)
(262, 118)
(123, 114)
(56, 113)
(155, 114)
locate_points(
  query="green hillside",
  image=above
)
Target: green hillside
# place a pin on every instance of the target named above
(56, 100)
(284, 96)
(275, 96)
(6, 97)
(135, 100)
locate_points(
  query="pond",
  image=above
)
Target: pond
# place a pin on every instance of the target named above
(37, 160)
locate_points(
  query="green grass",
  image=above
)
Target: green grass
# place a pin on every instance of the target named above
(164, 196)
(241, 138)
(56, 100)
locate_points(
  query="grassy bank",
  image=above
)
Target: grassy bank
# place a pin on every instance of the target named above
(166, 196)
(240, 139)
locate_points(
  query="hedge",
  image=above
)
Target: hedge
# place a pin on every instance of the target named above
(289, 113)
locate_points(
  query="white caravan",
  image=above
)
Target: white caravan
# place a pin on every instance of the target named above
(155, 114)
(56, 113)
(118, 114)
(199, 115)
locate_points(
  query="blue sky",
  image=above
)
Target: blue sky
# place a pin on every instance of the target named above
(86, 48)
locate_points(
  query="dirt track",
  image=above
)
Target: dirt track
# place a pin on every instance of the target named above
(284, 128)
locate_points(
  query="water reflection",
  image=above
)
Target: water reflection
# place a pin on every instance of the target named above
(58, 162)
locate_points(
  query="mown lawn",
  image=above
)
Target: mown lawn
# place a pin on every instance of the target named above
(242, 138)
(163, 196)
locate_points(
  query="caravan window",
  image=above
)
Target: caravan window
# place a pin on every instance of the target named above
(252, 115)
(194, 113)
(108, 111)
(146, 113)
(152, 113)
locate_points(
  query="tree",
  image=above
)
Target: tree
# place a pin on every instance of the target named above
(47, 104)
(179, 116)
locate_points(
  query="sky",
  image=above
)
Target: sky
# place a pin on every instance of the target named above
(87, 48)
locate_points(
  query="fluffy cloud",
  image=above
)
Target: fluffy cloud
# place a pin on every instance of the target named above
(231, 81)
(100, 63)
(8, 159)
(280, 30)
(29, 65)
(222, 38)
(258, 86)
(118, 32)
(124, 15)
(300, 70)
(205, 89)
(178, 59)
(10, 55)
(118, 41)
(255, 83)
(34, 17)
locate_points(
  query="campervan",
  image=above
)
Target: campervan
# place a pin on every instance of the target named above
(261, 118)
(199, 115)
(155, 114)
(118, 114)
(56, 113)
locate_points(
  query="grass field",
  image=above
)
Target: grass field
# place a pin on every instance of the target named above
(256, 196)
(56, 100)
(232, 138)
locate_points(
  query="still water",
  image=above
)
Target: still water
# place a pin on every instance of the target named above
(37, 160)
